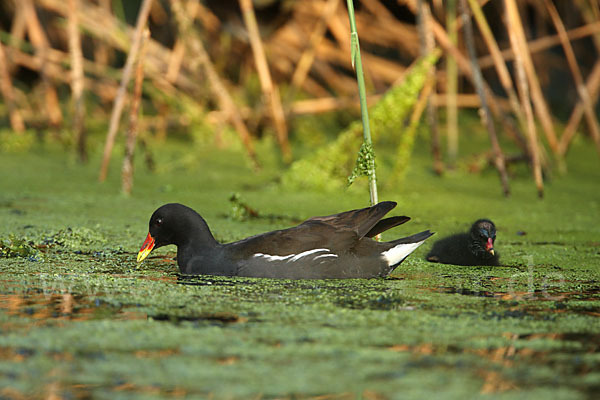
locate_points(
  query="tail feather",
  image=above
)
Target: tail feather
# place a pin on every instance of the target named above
(401, 248)
(361, 221)
(385, 224)
(417, 237)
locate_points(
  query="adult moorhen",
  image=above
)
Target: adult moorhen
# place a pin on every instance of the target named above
(335, 246)
(475, 247)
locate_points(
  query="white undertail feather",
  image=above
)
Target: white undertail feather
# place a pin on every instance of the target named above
(396, 254)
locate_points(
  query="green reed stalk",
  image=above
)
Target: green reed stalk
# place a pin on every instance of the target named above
(366, 154)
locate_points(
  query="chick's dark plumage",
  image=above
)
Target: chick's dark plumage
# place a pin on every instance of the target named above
(475, 247)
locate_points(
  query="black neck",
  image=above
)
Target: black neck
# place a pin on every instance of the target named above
(195, 232)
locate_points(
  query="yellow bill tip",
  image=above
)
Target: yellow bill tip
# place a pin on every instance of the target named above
(143, 254)
(146, 248)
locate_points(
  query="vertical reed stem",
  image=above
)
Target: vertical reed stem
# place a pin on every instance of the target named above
(479, 87)
(120, 98)
(16, 121)
(451, 86)
(132, 132)
(37, 35)
(523, 87)
(588, 108)
(194, 45)
(593, 86)
(427, 44)
(270, 92)
(357, 63)
(537, 96)
(499, 63)
(77, 80)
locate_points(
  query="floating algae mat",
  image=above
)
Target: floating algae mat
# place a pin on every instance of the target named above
(80, 319)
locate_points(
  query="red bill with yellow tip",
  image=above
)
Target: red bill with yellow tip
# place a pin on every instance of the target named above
(146, 248)
(489, 246)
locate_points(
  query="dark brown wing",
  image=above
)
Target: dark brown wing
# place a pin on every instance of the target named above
(339, 232)
(361, 221)
(309, 235)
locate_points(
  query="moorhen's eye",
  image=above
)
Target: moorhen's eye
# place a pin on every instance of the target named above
(159, 221)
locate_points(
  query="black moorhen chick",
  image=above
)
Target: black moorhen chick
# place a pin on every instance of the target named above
(473, 248)
(335, 246)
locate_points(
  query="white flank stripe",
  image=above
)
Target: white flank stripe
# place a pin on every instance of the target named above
(327, 255)
(398, 253)
(273, 258)
(291, 257)
(306, 253)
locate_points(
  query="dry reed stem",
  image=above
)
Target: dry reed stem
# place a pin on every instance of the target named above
(285, 49)
(523, 86)
(120, 99)
(77, 80)
(338, 26)
(421, 103)
(175, 61)
(57, 59)
(544, 43)
(109, 29)
(209, 21)
(134, 113)
(593, 87)
(270, 91)
(40, 42)
(415, 116)
(590, 12)
(381, 28)
(17, 32)
(102, 53)
(499, 161)
(451, 86)
(327, 104)
(588, 108)
(308, 56)
(16, 120)
(537, 96)
(385, 70)
(386, 30)
(375, 7)
(202, 59)
(282, 63)
(427, 46)
(102, 88)
(499, 63)
(466, 67)
(336, 52)
(325, 66)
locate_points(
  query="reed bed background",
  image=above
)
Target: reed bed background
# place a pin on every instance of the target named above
(531, 68)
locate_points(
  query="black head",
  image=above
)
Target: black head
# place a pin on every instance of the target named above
(483, 236)
(175, 224)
